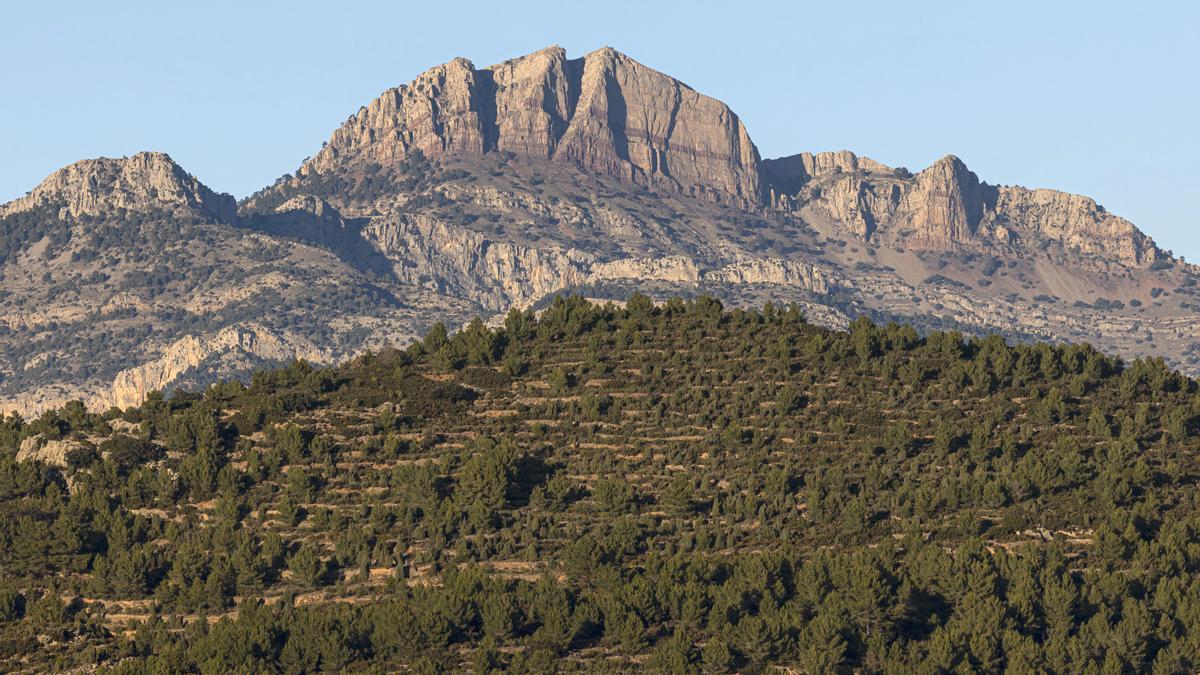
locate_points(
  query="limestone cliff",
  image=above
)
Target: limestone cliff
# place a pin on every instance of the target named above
(786, 175)
(246, 341)
(1076, 221)
(943, 205)
(450, 259)
(604, 111)
(610, 115)
(947, 206)
(630, 118)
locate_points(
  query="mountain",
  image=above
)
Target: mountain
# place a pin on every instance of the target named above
(147, 182)
(605, 113)
(123, 276)
(946, 207)
(472, 190)
(670, 489)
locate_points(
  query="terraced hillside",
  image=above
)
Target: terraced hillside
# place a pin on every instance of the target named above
(672, 488)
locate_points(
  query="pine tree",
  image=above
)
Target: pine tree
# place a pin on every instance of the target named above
(716, 657)
(306, 566)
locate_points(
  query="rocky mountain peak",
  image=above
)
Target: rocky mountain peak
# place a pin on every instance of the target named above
(947, 206)
(604, 112)
(147, 181)
(607, 114)
(944, 205)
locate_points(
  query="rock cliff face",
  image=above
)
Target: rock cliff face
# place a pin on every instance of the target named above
(249, 342)
(787, 175)
(1075, 220)
(51, 452)
(495, 274)
(947, 206)
(498, 275)
(145, 181)
(604, 112)
(857, 192)
(944, 205)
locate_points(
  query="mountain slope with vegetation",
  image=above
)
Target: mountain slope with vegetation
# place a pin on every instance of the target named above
(675, 488)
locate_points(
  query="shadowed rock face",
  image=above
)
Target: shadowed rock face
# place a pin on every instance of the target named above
(604, 112)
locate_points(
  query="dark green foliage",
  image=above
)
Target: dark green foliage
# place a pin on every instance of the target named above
(307, 566)
(127, 453)
(672, 488)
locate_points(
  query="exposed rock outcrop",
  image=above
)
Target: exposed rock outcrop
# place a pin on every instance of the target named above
(786, 175)
(51, 452)
(450, 259)
(677, 269)
(611, 115)
(306, 217)
(313, 208)
(147, 181)
(535, 98)
(1074, 220)
(243, 341)
(943, 205)
(775, 271)
(947, 206)
(633, 119)
(604, 111)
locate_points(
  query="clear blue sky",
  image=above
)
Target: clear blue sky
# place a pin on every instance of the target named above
(1099, 98)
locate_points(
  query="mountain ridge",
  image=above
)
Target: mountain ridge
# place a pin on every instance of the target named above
(469, 191)
(612, 115)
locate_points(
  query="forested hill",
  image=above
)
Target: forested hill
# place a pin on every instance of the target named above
(667, 488)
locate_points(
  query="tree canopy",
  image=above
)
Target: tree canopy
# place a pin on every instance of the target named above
(674, 487)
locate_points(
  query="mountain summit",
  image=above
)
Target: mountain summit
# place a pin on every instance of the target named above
(147, 181)
(604, 112)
